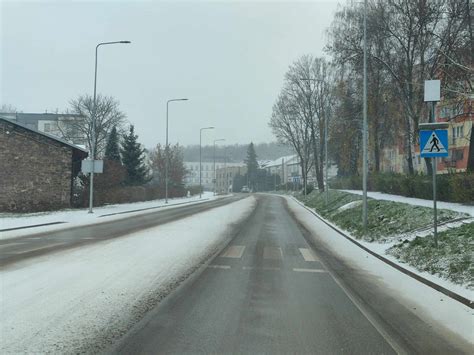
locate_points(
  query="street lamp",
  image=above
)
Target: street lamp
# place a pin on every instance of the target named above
(93, 147)
(200, 159)
(216, 140)
(167, 149)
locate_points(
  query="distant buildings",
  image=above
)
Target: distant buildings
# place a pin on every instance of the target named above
(207, 173)
(225, 177)
(62, 125)
(37, 169)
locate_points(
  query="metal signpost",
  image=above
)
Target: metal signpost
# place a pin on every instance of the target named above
(433, 141)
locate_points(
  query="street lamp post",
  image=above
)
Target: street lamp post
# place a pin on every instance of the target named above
(216, 140)
(94, 111)
(200, 159)
(365, 133)
(167, 149)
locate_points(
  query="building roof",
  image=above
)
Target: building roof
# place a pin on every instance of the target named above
(277, 162)
(62, 141)
(35, 117)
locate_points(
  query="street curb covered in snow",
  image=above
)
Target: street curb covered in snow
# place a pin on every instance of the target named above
(417, 277)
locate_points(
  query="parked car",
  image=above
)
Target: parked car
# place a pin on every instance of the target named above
(245, 189)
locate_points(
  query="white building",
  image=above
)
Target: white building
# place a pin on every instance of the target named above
(61, 125)
(207, 173)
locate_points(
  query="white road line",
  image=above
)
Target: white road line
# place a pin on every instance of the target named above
(260, 268)
(310, 270)
(219, 266)
(308, 254)
(234, 251)
(272, 253)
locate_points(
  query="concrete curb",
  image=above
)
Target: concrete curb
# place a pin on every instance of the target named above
(413, 275)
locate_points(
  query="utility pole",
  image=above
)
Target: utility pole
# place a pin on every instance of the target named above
(365, 132)
(93, 147)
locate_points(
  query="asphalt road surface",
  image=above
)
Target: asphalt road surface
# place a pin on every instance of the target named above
(21, 248)
(271, 292)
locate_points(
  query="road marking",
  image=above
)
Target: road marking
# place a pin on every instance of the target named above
(272, 253)
(234, 251)
(219, 266)
(260, 268)
(308, 254)
(310, 270)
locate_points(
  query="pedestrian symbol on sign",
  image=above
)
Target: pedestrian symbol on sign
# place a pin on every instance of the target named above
(433, 143)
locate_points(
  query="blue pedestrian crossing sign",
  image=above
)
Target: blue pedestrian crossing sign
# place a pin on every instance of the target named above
(433, 143)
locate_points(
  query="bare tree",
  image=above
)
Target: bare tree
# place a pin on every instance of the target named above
(290, 128)
(7, 108)
(409, 39)
(107, 116)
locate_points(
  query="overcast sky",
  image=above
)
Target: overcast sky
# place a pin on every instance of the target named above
(228, 58)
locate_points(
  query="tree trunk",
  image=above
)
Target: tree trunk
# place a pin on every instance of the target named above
(470, 159)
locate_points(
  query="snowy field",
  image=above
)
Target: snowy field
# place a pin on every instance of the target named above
(81, 300)
(74, 217)
(458, 207)
(433, 304)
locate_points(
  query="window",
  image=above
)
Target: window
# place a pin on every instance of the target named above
(47, 127)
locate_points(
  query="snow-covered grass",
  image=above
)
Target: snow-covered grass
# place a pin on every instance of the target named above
(74, 217)
(423, 301)
(80, 300)
(391, 223)
(451, 260)
(458, 207)
(387, 220)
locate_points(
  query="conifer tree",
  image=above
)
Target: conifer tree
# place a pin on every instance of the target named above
(112, 149)
(252, 165)
(133, 159)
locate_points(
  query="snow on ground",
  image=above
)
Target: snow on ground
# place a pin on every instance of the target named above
(459, 207)
(430, 303)
(66, 302)
(74, 217)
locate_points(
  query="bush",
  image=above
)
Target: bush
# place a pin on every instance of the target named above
(457, 187)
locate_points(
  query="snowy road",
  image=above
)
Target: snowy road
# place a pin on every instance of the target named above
(259, 275)
(21, 248)
(278, 289)
(82, 299)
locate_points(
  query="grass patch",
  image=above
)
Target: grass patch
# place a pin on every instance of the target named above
(451, 260)
(387, 220)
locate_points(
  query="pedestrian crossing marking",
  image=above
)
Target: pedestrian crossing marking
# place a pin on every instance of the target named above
(308, 254)
(234, 251)
(310, 270)
(272, 253)
(213, 266)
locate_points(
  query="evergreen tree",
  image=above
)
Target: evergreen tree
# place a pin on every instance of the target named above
(252, 165)
(133, 159)
(112, 149)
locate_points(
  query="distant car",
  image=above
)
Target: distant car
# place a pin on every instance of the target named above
(245, 189)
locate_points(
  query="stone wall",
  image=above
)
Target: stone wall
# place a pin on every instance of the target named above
(35, 171)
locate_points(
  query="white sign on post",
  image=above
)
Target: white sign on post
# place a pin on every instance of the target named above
(88, 164)
(432, 90)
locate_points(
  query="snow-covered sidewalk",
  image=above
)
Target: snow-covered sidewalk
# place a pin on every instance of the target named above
(17, 222)
(429, 303)
(458, 207)
(80, 300)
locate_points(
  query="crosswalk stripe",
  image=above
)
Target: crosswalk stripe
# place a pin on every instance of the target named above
(310, 270)
(219, 266)
(234, 251)
(272, 253)
(308, 254)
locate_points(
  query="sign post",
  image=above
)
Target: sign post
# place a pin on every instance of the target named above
(433, 141)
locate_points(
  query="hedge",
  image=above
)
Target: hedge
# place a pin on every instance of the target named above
(450, 187)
